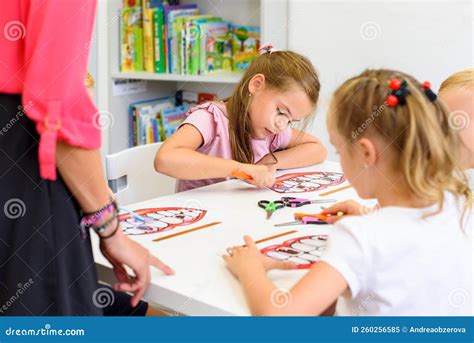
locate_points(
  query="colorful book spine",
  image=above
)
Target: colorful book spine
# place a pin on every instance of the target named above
(132, 39)
(148, 43)
(172, 118)
(159, 40)
(193, 42)
(171, 13)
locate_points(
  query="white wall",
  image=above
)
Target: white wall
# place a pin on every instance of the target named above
(428, 39)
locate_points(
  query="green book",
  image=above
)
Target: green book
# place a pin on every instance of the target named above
(132, 39)
(186, 33)
(159, 43)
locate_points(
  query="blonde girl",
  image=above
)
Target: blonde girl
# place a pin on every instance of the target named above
(411, 257)
(457, 92)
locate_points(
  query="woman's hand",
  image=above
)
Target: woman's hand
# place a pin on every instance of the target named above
(121, 251)
(261, 175)
(245, 259)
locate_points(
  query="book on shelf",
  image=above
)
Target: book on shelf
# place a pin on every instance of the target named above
(131, 37)
(177, 39)
(159, 43)
(245, 43)
(154, 120)
(172, 20)
(218, 53)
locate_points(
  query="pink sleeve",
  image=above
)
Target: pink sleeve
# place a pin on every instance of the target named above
(204, 122)
(54, 95)
(282, 140)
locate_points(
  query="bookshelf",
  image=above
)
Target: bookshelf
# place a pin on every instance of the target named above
(211, 78)
(270, 15)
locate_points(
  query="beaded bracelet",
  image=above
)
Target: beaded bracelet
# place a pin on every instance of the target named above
(93, 217)
(90, 219)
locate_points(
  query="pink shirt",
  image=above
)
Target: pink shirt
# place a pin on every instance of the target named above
(211, 121)
(44, 47)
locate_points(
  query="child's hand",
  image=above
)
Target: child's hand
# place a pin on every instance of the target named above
(348, 207)
(262, 176)
(248, 258)
(272, 168)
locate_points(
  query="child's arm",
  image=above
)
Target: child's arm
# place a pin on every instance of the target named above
(178, 158)
(312, 295)
(304, 150)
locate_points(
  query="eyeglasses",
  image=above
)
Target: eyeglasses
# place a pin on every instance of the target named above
(282, 120)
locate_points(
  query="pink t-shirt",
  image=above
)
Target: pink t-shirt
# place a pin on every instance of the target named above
(211, 121)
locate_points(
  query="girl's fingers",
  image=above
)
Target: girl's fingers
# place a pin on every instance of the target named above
(249, 242)
(338, 207)
(333, 219)
(270, 263)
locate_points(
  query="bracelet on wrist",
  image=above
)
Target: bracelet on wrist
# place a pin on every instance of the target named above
(90, 219)
(117, 227)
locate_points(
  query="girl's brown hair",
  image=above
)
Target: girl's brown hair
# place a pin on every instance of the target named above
(418, 132)
(283, 70)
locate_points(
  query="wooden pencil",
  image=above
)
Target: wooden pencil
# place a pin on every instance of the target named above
(187, 231)
(336, 190)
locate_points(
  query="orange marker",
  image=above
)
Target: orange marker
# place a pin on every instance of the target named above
(241, 175)
(316, 215)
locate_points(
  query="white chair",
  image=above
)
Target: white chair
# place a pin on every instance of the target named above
(132, 176)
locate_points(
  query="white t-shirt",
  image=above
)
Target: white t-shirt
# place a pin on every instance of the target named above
(470, 178)
(396, 263)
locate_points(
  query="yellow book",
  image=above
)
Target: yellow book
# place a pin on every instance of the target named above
(149, 56)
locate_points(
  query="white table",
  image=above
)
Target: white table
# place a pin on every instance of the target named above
(202, 284)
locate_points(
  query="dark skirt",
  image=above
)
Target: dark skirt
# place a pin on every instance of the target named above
(45, 266)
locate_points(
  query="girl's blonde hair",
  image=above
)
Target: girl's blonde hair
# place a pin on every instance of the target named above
(283, 71)
(462, 79)
(418, 131)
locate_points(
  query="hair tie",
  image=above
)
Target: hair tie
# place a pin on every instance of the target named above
(429, 93)
(266, 49)
(398, 93)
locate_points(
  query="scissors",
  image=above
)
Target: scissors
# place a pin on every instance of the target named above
(305, 218)
(271, 206)
(304, 221)
(298, 202)
(320, 216)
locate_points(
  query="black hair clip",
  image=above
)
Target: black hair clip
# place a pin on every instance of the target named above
(429, 93)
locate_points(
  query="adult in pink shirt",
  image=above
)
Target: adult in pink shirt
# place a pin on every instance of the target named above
(47, 124)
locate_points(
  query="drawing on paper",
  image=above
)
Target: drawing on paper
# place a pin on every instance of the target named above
(159, 219)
